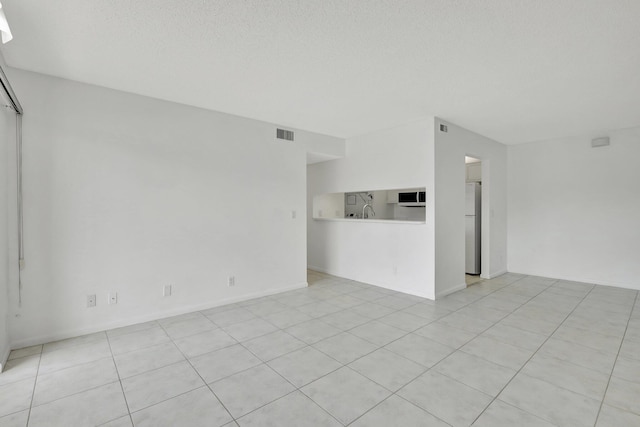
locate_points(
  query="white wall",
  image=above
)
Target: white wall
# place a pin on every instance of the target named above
(450, 176)
(574, 210)
(328, 206)
(321, 148)
(126, 193)
(395, 256)
(408, 213)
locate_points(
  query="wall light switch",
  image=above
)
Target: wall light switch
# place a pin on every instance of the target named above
(166, 291)
(113, 297)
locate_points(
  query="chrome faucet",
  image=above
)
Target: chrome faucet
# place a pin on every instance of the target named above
(364, 209)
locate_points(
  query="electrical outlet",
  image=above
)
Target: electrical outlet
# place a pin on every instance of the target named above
(231, 281)
(91, 300)
(166, 291)
(293, 214)
(320, 213)
(113, 297)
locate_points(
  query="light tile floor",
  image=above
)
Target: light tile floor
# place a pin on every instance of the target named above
(471, 279)
(511, 351)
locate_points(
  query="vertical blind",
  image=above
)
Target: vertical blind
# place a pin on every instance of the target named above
(14, 105)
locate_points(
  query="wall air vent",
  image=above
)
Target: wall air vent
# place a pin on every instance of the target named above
(443, 128)
(284, 134)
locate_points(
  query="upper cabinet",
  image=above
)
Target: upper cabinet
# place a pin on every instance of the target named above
(474, 172)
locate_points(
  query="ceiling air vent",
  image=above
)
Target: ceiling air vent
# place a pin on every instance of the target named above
(284, 134)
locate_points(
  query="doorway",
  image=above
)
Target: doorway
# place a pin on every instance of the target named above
(473, 220)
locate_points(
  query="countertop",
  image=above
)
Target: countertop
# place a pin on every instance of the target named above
(382, 221)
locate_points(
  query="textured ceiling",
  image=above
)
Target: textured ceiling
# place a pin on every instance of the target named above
(513, 70)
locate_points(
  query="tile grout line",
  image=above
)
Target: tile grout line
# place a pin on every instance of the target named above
(77, 393)
(141, 373)
(394, 393)
(158, 324)
(296, 388)
(33, 392)
(172, 340)
(155, 369)
(266, 364)
(197, 373)
(462, 345)
(72, 394)
(369, 320)
(307, 345)
(604, 396)
(33, 356)
(124, 395)
(534, 353)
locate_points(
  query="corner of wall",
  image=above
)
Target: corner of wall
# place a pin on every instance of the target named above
(167, 194)
(573, 208)
(443, 293)
(451, 146)
(399, 157)
(4, 356)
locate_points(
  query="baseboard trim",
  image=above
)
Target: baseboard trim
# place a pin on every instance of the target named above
(450, 290)
(582, 280)
(317, 269)
(71, 333)
(496, 274)
(378, 284)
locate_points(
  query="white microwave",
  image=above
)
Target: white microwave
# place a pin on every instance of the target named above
(412, 198)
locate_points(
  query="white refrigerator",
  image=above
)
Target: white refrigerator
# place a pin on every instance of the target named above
(472, 227)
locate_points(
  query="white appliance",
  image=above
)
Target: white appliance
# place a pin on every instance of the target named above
(472, 227)
(412, 198)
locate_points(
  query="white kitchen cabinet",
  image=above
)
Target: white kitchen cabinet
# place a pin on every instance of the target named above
(474, 172)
